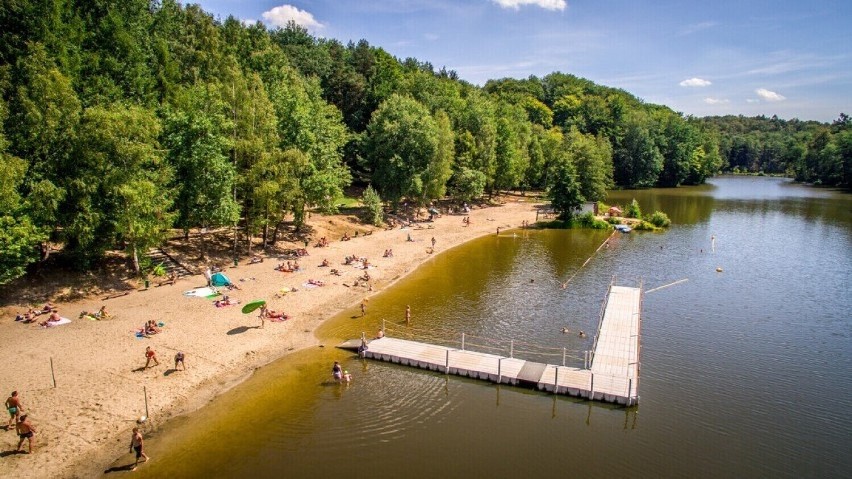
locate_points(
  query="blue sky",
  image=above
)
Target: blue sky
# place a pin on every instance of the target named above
(715, 57)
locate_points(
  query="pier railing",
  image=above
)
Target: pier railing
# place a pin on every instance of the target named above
(498, 346)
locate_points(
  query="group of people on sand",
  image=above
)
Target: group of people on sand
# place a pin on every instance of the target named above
(466, 221)
(151, 355)
(31, 314)
(150, 328)
(288, 267)
(388, 253)
(322, 243)
(20, 419)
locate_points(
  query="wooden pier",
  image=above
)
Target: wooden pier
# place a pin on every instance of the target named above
(612, 374)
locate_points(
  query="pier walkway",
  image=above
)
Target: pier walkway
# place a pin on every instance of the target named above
(612, 374)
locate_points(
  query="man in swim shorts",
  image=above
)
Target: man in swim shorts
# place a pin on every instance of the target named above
(25, 431)
(136, 444)
(13, 405)
(150, 355)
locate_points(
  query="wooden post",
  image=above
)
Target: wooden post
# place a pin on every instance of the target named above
(52, 373)
(462, 348)
(499, 370)
(556, 381)
(447, 367)
(592, 388)
(145, 392)
(629, 388)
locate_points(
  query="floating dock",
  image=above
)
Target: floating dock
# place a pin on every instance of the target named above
(612, 374)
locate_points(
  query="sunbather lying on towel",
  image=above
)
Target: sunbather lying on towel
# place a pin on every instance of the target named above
(225, 301)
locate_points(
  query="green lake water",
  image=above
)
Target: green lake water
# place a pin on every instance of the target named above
(745, 373)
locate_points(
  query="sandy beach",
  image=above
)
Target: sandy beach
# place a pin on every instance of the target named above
(84, 422)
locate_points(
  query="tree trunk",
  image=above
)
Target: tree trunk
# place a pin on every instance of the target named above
(203, 245)
(135, 260)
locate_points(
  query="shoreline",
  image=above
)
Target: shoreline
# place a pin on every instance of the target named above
(84, 422)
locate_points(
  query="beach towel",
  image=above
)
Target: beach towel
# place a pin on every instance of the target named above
(61, 321)
(201, 292)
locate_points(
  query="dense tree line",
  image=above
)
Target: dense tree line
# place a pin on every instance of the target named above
(121, 120)
(809, 151)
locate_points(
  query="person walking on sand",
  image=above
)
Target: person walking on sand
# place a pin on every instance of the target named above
(13, 405)
(179, 357)
(136, 445)
(433, 242)
(364, 306)
(150, 355)
(25, 431)
(407, 314)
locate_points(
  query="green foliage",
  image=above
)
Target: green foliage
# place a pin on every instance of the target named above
(564, 190)
(373, 202)
(659, 219)
(633, 210)
(588, 220)
(467, 185)
(121, 119)
(159, 270)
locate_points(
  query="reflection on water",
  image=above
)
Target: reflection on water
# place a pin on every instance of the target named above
(745, 373)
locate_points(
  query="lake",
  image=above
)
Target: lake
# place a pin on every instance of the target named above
(745, 372)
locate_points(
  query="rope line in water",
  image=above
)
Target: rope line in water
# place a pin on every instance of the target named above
(565, 284)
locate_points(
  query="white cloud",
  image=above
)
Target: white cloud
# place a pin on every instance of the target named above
(248, 22)
(695, 82)
(716, 101)
(752, 100)
(696, 27)
(545, 4)
(279, 16)
(769, 95)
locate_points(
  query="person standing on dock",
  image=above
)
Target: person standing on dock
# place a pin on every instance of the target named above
(407, 314)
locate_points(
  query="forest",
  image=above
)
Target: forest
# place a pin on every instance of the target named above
(122, 120)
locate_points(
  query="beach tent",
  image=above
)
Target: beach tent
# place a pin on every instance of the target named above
(219, 279)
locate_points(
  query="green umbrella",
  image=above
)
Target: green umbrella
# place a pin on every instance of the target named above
(252, 306)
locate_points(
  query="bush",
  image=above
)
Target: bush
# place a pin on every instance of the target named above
(633, 210)
(588, 220)
(659, 219)
(644, 226)
(613, 221)
(159, 270)
(373, 202)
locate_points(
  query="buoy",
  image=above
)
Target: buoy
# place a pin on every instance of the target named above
(719, 270)
(142, 419)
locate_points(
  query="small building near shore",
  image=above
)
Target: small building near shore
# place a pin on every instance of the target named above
(614, 211)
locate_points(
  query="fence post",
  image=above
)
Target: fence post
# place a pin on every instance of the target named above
(52, 375)
(447, 366)
(462, 348)
(499, 370)
(145, 392)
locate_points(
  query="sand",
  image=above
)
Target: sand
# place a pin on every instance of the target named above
(84, 422)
